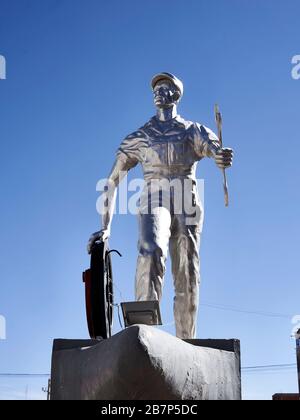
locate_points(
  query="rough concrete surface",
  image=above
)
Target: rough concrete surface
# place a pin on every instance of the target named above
(145, 363)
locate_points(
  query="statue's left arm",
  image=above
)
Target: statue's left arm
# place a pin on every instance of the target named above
(207, 144)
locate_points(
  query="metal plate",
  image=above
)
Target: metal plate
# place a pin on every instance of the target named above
(143, 312)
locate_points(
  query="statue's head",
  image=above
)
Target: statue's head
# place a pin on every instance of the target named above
(167, 90)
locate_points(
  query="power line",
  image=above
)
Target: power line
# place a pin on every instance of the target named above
(270, 367)
(246, 368)
(244, 311)
(24, 375)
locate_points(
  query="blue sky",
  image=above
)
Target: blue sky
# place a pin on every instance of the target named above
(78, 76)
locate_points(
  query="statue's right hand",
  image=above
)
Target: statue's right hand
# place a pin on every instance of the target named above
(102, 235)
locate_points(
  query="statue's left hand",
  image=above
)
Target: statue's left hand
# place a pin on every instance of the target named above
(224, 158)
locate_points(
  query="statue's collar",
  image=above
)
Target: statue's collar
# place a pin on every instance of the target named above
(169, 123)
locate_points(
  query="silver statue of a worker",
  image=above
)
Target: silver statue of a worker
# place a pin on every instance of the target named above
(168, 148)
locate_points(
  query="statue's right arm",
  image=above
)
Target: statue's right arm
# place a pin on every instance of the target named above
(117, 174)
(119, 170)
(129, 154)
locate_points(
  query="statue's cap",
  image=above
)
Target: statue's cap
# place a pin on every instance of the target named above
(167, 76)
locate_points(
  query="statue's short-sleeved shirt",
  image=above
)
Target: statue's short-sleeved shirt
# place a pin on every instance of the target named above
(168, 149)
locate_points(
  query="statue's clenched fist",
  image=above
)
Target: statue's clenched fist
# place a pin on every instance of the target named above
(100, 236)
(224, 158)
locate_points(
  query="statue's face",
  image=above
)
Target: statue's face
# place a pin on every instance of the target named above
(165, 94)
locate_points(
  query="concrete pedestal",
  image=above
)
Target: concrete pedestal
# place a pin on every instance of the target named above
(145, 363)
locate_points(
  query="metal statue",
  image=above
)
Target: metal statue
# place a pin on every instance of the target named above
(168, 148)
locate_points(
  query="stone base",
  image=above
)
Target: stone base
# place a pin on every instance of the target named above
(145, 363)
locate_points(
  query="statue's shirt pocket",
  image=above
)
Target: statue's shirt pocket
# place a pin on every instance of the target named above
(177, 153)
(157, 155)
(167, 153)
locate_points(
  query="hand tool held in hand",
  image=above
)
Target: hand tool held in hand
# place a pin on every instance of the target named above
(218, 118)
